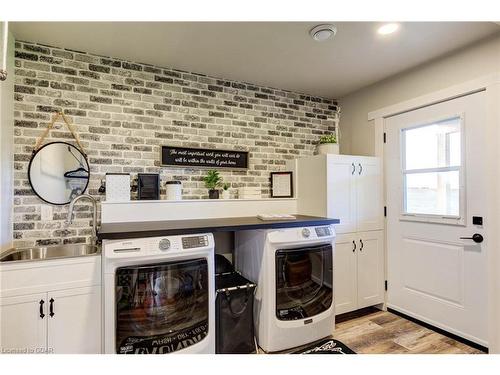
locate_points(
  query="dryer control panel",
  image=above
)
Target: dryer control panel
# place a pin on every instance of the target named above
(194, 241)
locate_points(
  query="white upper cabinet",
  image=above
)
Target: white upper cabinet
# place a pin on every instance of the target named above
(341, 193)
(369, 198)
(344, 187)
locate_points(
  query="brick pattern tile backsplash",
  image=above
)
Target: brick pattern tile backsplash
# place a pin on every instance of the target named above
(124, 111)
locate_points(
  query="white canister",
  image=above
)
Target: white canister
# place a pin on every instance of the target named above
(174, 190)
(117, 187)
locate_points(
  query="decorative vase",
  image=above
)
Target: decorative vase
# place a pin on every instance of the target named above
(225, 194)
(213, 194)
(328, 148)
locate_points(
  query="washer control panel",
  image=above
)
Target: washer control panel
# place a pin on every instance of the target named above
(164, 244)
(306, 232)
(194, 241)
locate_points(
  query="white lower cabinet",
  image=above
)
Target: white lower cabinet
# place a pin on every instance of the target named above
(345, 273)
(75, 326)
(62, 315)
(23, 324)
(359, 270)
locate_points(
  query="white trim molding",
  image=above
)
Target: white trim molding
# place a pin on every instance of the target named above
(449, 93)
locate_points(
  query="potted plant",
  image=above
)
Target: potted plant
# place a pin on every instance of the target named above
(328, 144)
(225, 190)
(212, 181)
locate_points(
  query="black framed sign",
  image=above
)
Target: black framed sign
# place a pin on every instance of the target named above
(172, 156)
(281, 185)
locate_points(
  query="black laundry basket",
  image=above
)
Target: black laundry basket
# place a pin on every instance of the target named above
(234, 314)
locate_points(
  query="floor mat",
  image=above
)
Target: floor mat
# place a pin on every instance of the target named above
(327, 346)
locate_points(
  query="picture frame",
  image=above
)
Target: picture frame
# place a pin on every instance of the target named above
(282, 184)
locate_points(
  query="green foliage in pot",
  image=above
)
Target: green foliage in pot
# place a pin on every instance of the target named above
(330, 138)
(212, 180)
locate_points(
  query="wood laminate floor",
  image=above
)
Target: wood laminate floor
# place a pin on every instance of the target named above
(382, 332)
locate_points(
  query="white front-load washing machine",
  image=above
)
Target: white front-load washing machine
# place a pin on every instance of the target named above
(293, 269)
(159, 295)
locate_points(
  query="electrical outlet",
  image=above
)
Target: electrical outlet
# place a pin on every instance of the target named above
(46, 212)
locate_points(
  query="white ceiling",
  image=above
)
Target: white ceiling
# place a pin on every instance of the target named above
(275, 54)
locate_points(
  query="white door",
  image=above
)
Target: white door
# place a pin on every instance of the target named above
(369, 197)
(74, 319)
(436, 176)
(370, 268)
(341, 190)
(23, 322)
(345, 273)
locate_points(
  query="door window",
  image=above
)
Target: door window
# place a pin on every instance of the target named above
(161, 308)
(432, 169)
(304, 281)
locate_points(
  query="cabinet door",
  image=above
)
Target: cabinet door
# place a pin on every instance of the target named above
(345, 273)
(23, 324)
(75, 327)
(341, 192)
(370, 268)
(369, 194)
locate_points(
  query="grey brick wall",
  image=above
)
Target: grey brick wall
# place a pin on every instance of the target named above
(123, 111)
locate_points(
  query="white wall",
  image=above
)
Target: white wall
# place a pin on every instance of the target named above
(474, 61)
(6, 149)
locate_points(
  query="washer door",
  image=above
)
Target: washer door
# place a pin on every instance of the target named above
(304, 280)
(161, 308)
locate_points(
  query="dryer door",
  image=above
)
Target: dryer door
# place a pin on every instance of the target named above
(304, 280)
(161, 308)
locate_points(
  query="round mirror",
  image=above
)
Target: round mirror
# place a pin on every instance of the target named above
(58, 172)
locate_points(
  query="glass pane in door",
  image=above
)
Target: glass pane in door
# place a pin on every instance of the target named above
(161, 308)
(304, 280)
(434, 145)
(433, 193)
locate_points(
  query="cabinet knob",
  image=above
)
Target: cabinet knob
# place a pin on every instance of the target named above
(362, 245)
(353, 168)
(360, 168)
(353, 246)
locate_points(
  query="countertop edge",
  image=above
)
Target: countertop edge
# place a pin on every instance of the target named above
(211, 225)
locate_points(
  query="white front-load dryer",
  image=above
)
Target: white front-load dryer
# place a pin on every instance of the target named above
(159, 295)
(293, 269)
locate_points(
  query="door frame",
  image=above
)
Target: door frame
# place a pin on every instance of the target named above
(490, 84)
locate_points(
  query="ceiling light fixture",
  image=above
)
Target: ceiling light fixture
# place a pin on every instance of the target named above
(388, 28)
(321, 33)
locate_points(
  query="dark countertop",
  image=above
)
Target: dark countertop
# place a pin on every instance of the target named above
(115, 231)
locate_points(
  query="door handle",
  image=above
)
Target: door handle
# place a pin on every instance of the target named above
(51, 307)
(476, 237)
(353, 168)
(362, 245)
(360, 168)
(42, 315)
(354, 246)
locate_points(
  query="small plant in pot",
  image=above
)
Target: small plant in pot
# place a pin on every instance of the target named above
(328, 144)
(225, 191)
(212, 181)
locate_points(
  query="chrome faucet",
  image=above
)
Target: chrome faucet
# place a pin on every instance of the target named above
(69, 220)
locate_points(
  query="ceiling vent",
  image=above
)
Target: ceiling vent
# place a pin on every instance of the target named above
(321, 33)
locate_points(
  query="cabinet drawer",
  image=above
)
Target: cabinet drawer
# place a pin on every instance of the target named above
(42, 276)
